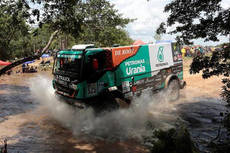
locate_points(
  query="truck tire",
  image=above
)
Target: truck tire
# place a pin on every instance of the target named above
(110, 104)
(173, 90)
(105, 104)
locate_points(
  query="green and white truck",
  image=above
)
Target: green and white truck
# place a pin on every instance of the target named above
(84, 72)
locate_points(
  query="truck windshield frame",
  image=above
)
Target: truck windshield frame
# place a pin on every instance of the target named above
(68, 64)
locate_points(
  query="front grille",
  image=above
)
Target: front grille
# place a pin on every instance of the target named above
(64, 89)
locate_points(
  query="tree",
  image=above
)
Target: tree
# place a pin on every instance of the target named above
(65, 16)
(197, 19)
(62, 16)
(40, 36)
(106, 37)
(13, 27)
(103, 25)
(90, 21)
(202, 19)
(30, 58)
(157, 36)
(100, 21)
(21, 47)
(217, 64)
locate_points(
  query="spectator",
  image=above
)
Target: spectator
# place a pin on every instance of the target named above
(23, 68)
(183, 51)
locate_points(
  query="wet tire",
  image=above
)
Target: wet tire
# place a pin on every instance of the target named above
(110, 104)
(105, 105)
(173, 90)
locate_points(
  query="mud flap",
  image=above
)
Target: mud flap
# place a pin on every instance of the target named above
(122, 103)
(119, 98)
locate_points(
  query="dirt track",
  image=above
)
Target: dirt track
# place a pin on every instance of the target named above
(29, 127)
(201, 87)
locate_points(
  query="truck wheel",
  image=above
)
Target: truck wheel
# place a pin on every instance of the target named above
(173, 90)
(105, 104)
(111, 104)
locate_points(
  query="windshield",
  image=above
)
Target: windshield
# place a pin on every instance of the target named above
(68, 63)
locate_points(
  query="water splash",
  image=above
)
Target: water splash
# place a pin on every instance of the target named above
(119, 124)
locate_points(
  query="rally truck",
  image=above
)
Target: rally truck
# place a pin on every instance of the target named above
(84, 72)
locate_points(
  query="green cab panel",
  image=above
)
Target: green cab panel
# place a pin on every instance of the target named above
(137, 66)
(88, 90)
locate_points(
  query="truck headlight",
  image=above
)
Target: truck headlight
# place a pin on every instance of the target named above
(112, 88)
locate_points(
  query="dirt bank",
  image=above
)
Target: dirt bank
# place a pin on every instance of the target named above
(197, 86)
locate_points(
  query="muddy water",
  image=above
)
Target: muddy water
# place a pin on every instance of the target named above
(202, 117)
(29, 126)
(34, 121)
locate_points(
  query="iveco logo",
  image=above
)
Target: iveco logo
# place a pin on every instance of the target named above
(67, 79)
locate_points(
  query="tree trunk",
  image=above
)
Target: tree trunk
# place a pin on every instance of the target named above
(30, 58)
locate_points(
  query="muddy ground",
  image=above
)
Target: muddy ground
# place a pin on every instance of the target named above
(33, 124)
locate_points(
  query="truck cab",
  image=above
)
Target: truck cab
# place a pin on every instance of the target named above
(78, 71)
(85, 72)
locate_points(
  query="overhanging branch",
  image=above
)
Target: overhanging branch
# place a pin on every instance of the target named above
(30, 58)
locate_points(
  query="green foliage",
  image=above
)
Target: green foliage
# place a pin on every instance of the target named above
(157, 36)
(215, 65)
(13, 28)
(203, 19)
(40, 36)
(161, 29)
(66, 16)
(197, 19)
(103, 25)
(22, 47)
(89, 21)
(171, 141)
(106, 38)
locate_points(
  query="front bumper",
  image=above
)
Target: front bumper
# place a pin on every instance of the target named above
(69, 100)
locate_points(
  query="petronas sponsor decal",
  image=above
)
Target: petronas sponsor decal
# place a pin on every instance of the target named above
(160, 57)
(129, 63)
(160, 54)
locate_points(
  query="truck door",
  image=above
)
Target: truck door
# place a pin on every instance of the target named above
(97, 65)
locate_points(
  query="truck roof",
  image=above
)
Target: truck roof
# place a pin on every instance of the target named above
(82, 46)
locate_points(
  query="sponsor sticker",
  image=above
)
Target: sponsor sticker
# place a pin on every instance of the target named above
(59, 77)
(92, 89)
(135, 67)
(135, 70)
(125, 86)
(160, 54)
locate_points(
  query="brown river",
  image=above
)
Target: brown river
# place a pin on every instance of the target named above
(32, 119)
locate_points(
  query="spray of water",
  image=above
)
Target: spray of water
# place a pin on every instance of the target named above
(119, 124)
